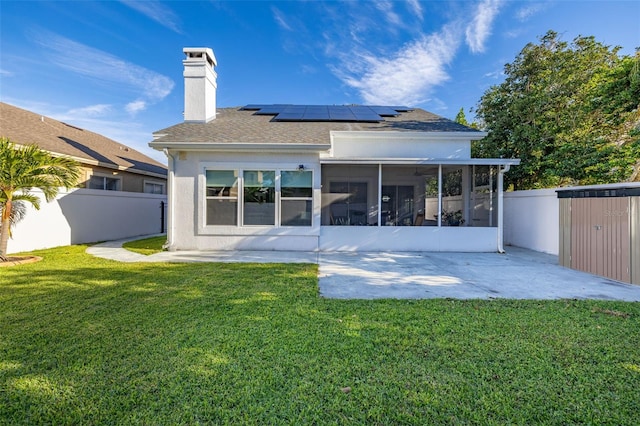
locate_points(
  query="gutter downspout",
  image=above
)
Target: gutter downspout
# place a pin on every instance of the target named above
(501, 173)
(170, 199)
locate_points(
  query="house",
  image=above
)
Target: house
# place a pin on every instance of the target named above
(313, 177)
(121, 193)
(105, 163)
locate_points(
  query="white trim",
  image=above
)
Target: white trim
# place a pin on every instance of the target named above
(106, 176)
(247, 230)
(408, 136)
(419, 161)
(163, 184)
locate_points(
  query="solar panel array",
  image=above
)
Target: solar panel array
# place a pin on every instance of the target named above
(353, 113)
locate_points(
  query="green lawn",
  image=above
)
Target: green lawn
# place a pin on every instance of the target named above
(146, 246)
(90, 341)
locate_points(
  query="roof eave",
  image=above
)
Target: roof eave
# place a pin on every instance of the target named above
(421, 135)
(90, 162)
(235, 146)
(418, 161)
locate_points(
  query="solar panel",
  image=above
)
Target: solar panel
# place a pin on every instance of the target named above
(385, 111)
(341, 113)
(365, 114)
(348, 113)
(271, 109)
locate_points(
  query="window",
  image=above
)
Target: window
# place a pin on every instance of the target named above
(104, 182)
(222, 197)
(296, 198)
(259, 197)
(153, 187)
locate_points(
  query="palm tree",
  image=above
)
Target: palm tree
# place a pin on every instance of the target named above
(23, 168)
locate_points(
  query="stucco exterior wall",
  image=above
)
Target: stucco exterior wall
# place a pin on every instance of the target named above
(408, 238)
(531, 220)
(398, 145)
(187, 226)
(87, 215)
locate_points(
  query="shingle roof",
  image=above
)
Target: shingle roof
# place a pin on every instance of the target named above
(24, 127)
(233, 125)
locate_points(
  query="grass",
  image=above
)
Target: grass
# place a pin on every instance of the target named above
(90, 341)
(146, 246)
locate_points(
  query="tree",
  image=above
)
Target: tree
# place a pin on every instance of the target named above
(568, 111)
(23, 168)
(460, 118)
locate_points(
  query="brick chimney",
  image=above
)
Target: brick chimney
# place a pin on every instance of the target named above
(199, 85)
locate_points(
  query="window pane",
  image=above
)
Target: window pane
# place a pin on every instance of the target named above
(222, 183)
(349, 195)
(112, 184)
(96, 182)
(296, 213)
(300, 179)
(259, 198)
(296, 184)
(222, 212)
(153, 188)
(259, 179)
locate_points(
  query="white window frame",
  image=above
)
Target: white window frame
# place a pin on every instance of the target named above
(279, 197)
(105, 176)
(163, 185)
(240, 229)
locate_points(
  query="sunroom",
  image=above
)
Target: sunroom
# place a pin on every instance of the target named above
(415, 205)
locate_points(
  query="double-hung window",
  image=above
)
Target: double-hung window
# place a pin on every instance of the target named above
(222, 197)
(259, 206)
(296, 198)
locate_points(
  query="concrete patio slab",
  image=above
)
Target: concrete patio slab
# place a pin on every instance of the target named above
(517, 274)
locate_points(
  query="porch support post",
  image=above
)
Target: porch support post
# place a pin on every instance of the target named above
(501, 173)
(379, 194)
(439, 195)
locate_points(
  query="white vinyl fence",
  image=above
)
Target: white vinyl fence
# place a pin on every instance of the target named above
(531, 220)
(86, 215)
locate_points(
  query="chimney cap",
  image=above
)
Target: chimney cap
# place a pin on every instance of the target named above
(200, 52)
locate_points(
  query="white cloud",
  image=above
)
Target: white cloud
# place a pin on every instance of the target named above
(91, 110)
(405, 77)
(136, 106)
(524, 13)
(386, 7)
(5, 73)
(416, 8)
(280, 19)
(156, 11)
(479, 29)
(104, 67)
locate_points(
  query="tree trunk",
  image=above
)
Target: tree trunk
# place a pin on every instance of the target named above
(5, 230)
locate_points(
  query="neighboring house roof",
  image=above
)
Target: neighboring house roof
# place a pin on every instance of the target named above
(237, 125)
(24, 127)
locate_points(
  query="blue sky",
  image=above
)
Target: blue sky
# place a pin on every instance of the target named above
(115, 67)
